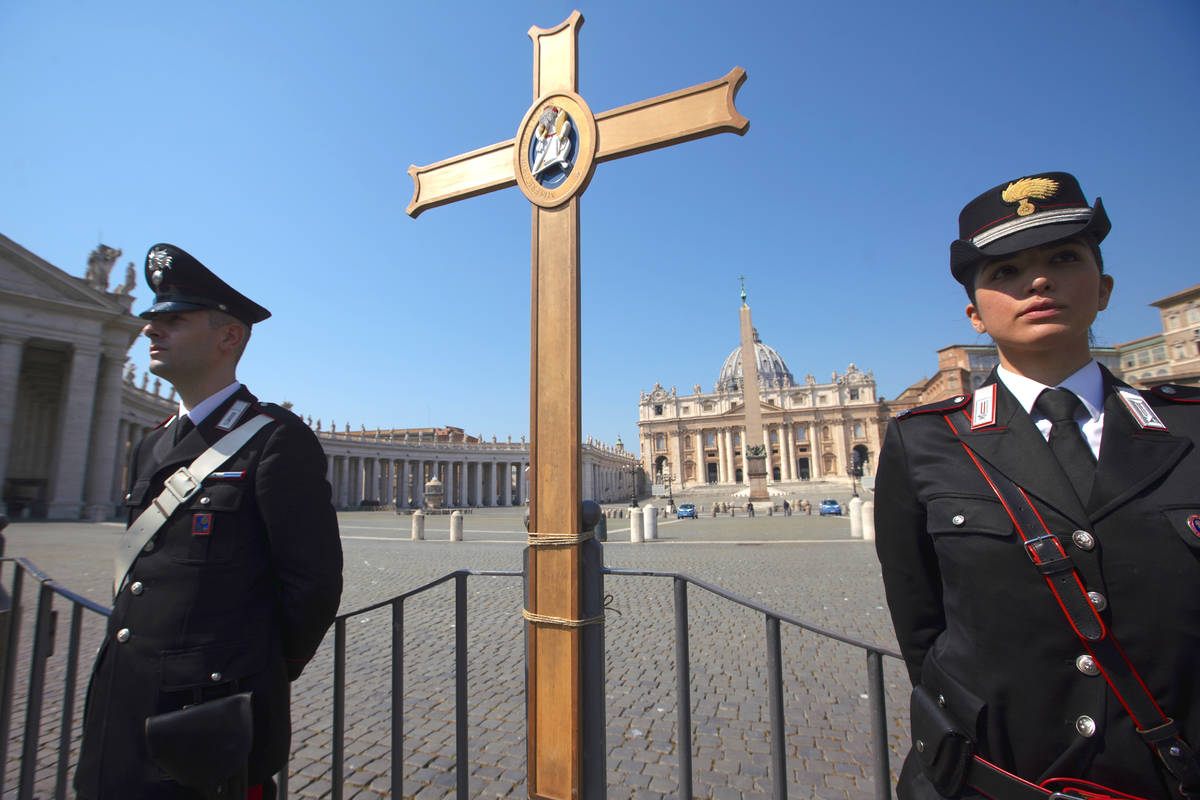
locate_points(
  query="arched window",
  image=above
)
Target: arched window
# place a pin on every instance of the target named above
(858, 430)
(801, 433)
(660, 442)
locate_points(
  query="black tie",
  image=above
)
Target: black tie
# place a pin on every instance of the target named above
(183, 427)
(1066, 439)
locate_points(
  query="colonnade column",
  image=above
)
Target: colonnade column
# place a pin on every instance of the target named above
(521, 481)
(505, 483)
(74, 434)
(404, 472)
(451, 485)
(790, 432)
(730, 474)
(105, 423)
(479, 484)
(766, 437)
(11, 349)
(745, 464)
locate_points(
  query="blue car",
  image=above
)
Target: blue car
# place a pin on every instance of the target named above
(686, 510)
(830, 506)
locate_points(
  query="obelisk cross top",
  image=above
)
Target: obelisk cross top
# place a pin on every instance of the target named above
(560, 141)
(552, 158)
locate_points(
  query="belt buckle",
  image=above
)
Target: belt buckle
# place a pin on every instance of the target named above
(189, 485)
(1031, 550)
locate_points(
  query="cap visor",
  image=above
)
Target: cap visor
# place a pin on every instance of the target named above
(170, 306)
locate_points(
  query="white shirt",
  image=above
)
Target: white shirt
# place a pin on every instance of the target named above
(1087, 384)
(208, 404)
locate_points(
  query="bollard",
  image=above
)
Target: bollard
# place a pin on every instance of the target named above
(732, 510)
(651, 528)
(856, 525)
(868, 520)
(771, 510)
(418, 525)
(456, 526)
(635, 528)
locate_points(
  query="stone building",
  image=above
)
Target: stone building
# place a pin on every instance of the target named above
(71, 412)
(1172, 356)
(811, 430)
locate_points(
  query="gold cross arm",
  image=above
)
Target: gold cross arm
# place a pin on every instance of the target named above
(668, 119)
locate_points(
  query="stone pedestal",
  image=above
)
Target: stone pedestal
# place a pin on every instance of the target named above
(856, 518)
(756, 472)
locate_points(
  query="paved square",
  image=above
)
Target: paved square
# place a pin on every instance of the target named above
(804, 566)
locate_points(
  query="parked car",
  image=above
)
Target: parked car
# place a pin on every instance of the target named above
(686, 510)
(831, 506)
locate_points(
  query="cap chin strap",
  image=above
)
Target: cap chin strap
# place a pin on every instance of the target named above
(178, 487)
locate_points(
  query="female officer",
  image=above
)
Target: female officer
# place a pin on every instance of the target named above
(1040, 538)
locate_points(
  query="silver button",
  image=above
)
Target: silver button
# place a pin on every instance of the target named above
(129, 495)
(957, 520)
(1167, 390)
(1098, 600)
(1085, 726)
(1083, 540)
(136, 587)
(960, 398)
(1087, 665)
(941, 701)
(149, 548)
(216, 677)
(205, 500)
(920, 745)
(123, 635)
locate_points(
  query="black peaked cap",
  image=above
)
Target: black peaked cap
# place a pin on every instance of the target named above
(181, 283)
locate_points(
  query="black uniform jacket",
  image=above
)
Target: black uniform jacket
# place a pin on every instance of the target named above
(976, 622)
(233, 593)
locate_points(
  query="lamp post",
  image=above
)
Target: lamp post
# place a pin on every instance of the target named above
(633, 468)
(670, 494)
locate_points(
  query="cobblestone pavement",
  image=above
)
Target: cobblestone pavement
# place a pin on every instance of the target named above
(806, 567)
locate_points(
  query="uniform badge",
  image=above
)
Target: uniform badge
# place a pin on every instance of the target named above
(983, 413)
(1193, 523)
(1022, 190)
(1141, 411)
(160, 261)
(201, 524)
(233, 415)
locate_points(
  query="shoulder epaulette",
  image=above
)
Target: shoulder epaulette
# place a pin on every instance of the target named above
(1175, 393)
(940, 407)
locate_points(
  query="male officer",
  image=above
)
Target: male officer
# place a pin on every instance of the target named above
(232, 588)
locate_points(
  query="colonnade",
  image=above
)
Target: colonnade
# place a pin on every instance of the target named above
(400, 480)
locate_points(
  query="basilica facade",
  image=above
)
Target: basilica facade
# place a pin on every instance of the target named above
(812, 430)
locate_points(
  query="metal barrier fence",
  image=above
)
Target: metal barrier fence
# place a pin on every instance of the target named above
(45, 622)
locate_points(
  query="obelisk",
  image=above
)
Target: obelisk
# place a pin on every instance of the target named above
(752, 440)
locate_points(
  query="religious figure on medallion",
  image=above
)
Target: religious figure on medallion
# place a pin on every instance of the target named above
(552, 141)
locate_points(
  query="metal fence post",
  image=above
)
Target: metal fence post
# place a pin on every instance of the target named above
(7, 671)
(460, 686)
(879, 737)
(68, 704)
(398, 697)
(683, 679)
(339, 706)
(775, 689)
(43, 647)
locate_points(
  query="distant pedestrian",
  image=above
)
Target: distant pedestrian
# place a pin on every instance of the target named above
(749, 509)
(787, 510)
(806, 506)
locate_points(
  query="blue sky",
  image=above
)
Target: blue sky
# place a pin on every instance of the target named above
(272, 140)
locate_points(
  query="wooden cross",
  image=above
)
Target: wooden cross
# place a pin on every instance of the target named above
(552, 157)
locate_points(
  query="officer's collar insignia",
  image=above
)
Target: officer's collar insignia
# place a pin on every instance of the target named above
(983, 413)
(1139, 409)
(1193, 524)
(233, 415)
(1026, 188)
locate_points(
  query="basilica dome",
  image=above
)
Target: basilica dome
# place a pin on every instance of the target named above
(772, 370)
